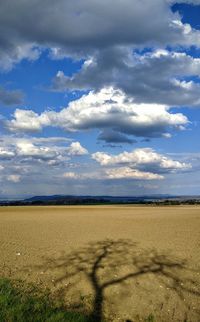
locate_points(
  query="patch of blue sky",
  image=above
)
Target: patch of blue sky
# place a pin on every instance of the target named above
(189, 14)
(34, 79)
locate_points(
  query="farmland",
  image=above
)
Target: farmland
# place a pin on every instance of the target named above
(121, 262)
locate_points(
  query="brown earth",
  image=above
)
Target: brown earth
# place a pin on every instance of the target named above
(124, 261)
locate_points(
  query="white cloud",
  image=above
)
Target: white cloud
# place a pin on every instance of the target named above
(27, 149)
(127, 173)
(142, 159)
(76, 149)
(51, 150)
(26, 120)
(6, 154)
(108, 108)
(71, 175)
(120, 173)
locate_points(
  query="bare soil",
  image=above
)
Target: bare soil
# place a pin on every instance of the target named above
(121, 262)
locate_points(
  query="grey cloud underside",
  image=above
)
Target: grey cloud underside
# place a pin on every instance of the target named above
(85, 24)
(110, 136)
(10, 97)
(79, 28)
(156, 77)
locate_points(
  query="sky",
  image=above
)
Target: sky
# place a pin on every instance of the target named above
(99, 99)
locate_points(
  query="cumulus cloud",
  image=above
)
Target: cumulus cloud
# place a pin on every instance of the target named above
(107, 109)
(36, 160)
(153, 77)
(141, 159)
(25, 148)
(8, 97)
(26, 120)
(6, 154)
(79, 28)
(76, 149)
(52, 150)
(128, 173)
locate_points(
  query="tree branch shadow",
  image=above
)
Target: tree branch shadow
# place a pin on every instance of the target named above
(113, 262)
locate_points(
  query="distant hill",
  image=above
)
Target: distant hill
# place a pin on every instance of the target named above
(92, 200)
(96, 198)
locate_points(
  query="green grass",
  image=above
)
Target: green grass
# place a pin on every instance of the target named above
(22, 304)
(18, 304)
(150, 318)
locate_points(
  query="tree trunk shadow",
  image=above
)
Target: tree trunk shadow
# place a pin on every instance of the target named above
(111, 256)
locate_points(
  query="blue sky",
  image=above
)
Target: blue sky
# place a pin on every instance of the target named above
(96, 99)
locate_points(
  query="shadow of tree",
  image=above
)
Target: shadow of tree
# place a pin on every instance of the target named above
(113, 262)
